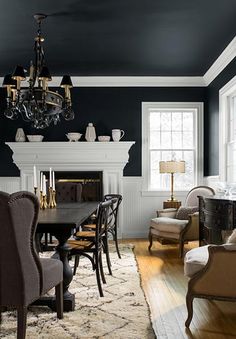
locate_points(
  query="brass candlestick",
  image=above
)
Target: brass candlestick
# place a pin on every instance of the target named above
(54, 198)
(51, 200)
(43, 201)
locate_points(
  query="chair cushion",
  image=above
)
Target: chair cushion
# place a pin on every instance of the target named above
(164, 224)
(52, 273)
(195, 260)
(183, 212)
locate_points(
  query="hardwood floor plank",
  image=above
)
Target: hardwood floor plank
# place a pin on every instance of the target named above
(165, 288)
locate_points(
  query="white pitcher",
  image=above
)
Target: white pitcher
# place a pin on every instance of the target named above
(117, 134)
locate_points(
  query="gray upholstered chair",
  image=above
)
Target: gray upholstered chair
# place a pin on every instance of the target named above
(24, 277)
(212, 274)
(180, 225)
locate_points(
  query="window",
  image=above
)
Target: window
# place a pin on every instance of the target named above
(227, 132)
(171, 131)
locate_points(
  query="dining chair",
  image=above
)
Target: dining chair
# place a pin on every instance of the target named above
(24, 276)
(90, 244)
(112, 224)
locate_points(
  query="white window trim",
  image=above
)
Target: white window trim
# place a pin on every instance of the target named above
(224, 93)
(146, 106)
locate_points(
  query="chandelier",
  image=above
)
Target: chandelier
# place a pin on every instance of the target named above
(36, 103)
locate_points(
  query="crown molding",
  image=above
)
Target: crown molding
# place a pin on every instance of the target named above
(128, 81)
(221, 62)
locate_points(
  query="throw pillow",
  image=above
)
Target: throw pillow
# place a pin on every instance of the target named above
(183, 212)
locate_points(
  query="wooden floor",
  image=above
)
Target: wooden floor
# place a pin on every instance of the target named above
(165, 288)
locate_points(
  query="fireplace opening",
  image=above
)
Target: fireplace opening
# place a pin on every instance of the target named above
(78, 186)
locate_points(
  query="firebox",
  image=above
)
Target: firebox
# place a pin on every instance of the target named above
(78, 186)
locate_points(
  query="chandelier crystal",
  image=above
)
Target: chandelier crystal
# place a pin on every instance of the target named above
(36, 103)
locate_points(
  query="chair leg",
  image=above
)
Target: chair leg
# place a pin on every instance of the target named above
(21, 322)
(106, 249)
(76, 264)
(97, 265)
(189, 304)
(59, 300)
(150, 240)
(102, 271)
(116, 243)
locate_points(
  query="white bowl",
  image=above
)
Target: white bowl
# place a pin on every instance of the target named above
(35, 138)
(74, 136)
(104, 138)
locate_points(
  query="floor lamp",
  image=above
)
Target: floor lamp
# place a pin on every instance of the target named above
(172, 167)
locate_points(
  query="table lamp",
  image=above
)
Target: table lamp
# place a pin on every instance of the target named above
(172, 167)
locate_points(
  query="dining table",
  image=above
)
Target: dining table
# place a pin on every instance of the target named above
(61, 222)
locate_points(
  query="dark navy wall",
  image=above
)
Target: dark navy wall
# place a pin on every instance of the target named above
(211, 121)
(107, 108)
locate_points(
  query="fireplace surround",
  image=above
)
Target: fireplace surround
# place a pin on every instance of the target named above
(109, 158)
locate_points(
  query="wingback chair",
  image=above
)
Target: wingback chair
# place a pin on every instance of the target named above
(180, 225)
(24, 277)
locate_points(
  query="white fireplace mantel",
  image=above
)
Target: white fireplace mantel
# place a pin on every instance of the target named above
(108, 157)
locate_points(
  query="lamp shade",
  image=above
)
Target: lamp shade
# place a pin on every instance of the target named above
(172, 166)
(66, 81)
(8, 81)
(18, 73)
(45, 74)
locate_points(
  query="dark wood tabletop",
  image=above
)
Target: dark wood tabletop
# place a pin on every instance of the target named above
(68, 214)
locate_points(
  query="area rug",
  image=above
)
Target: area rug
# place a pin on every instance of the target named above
(122, 312)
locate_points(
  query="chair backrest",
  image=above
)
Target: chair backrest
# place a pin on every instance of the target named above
(192, 196)
(20, 268)
(102, 220)
(114, 208)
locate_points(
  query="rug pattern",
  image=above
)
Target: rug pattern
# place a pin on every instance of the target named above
(122, 312)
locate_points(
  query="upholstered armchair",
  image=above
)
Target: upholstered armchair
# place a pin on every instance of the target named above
(24, 277)
(212, 274)
(180, 225)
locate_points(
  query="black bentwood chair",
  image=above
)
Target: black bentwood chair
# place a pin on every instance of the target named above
(90, 244)
(112, 223)
(24, 277)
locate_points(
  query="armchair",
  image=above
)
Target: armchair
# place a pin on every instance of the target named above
(212, 274)
(180, 225)
(24, 277)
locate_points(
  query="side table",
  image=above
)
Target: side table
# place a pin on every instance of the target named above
(171, 204)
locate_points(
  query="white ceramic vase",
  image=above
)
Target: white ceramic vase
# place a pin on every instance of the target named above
(20, 135)
(90, 134)
(117, 134)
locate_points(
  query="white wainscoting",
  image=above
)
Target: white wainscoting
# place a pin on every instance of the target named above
(9, 184)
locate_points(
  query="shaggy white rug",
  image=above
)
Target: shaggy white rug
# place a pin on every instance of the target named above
(122, 312)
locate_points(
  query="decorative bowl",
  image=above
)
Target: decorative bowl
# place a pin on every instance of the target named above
(35, 138)
(104, 138)
(74, 136)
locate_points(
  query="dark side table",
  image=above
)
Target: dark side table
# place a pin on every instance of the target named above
(171, 204)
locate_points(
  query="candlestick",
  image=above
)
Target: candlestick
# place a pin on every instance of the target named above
(35, 177)
(54, 198)
(50, 177)
(50, 198)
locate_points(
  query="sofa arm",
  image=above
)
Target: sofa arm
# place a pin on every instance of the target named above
(192, 230)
